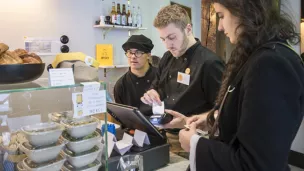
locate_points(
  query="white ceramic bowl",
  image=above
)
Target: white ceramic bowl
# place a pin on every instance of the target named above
(41, 155)
(42, 134)
(20, 166)
(56, 165)
(82, 145)
(81, 160)
(68, 167)
(80, 130)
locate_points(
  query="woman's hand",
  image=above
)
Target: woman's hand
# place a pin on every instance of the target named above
(199, 120)
(179, 120)
(185, 136)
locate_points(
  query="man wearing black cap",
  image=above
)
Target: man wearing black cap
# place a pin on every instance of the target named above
(132, 85)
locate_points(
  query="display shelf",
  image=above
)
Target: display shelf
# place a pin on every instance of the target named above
(40, 84)
(106, 28)
(114, 66)
(36, 102)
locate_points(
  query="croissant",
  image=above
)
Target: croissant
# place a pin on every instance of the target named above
(10, 58)
(31, 58)
(20, 52)
(3, 48)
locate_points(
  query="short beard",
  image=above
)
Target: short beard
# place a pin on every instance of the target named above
(184, 45)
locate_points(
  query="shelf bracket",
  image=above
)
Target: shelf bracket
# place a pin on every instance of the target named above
(106, 31)
(105, 72)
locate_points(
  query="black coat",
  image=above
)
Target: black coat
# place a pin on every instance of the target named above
(206, 70)
(129, 89)
(260, 117)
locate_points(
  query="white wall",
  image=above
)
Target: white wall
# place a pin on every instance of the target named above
(75, 18)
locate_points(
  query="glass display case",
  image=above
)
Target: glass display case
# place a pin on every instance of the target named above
(32, 109)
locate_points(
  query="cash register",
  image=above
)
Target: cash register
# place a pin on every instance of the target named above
(155, 155)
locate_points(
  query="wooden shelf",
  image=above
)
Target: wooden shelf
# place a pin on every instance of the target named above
(106, 28)
(114, 66)
(120, 27)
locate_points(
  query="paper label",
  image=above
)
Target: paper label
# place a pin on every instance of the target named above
(61, 77)
(89, 103)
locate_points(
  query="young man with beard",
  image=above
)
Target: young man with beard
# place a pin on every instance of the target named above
(133, 84)
(189, 75)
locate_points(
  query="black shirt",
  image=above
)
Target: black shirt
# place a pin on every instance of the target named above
(260, 117)
(129, 89)
(206, 70)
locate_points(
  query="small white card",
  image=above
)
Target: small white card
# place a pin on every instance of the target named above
(157, 109)
(90, 86)
(127, 138)
(124, 145)
(141, 138)
(183, 78)
(61, 77)
(89, 60)
(89, 103)
(111, 143)
(111, 137)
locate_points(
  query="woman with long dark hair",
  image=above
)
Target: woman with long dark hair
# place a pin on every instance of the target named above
(260, 104)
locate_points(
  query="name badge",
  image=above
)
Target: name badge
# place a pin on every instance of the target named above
(183, 78)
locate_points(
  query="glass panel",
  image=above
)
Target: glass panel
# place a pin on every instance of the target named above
(31, 103)
(40, 84)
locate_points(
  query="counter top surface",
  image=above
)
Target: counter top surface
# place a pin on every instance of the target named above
(177, 163)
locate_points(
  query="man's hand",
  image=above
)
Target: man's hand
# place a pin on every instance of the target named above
(179, 120)
(151, 97)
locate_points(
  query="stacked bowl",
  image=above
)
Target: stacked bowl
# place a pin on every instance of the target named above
(43, 147)
(82, 144)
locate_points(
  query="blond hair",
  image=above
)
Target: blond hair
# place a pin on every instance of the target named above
(172, 14)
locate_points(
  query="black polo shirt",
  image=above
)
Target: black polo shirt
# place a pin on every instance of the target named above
(206, 70)
(129, 89)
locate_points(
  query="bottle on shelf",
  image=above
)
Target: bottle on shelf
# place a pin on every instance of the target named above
(134, 17)
(139, 18)
(129, 16)
(124, 18)
(113, 14)
(118, 15)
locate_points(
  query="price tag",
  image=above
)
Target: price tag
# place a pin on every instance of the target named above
(89, 103)
(61, 77)
(90, 86)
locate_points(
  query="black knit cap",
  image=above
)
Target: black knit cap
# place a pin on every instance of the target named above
(139, 42)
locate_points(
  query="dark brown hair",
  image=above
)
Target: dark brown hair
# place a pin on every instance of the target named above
(260, 21)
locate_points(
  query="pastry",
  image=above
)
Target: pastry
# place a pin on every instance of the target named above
(34, 55)
(3, 48)
(10, 58)
(20, 52)
(31, 58)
